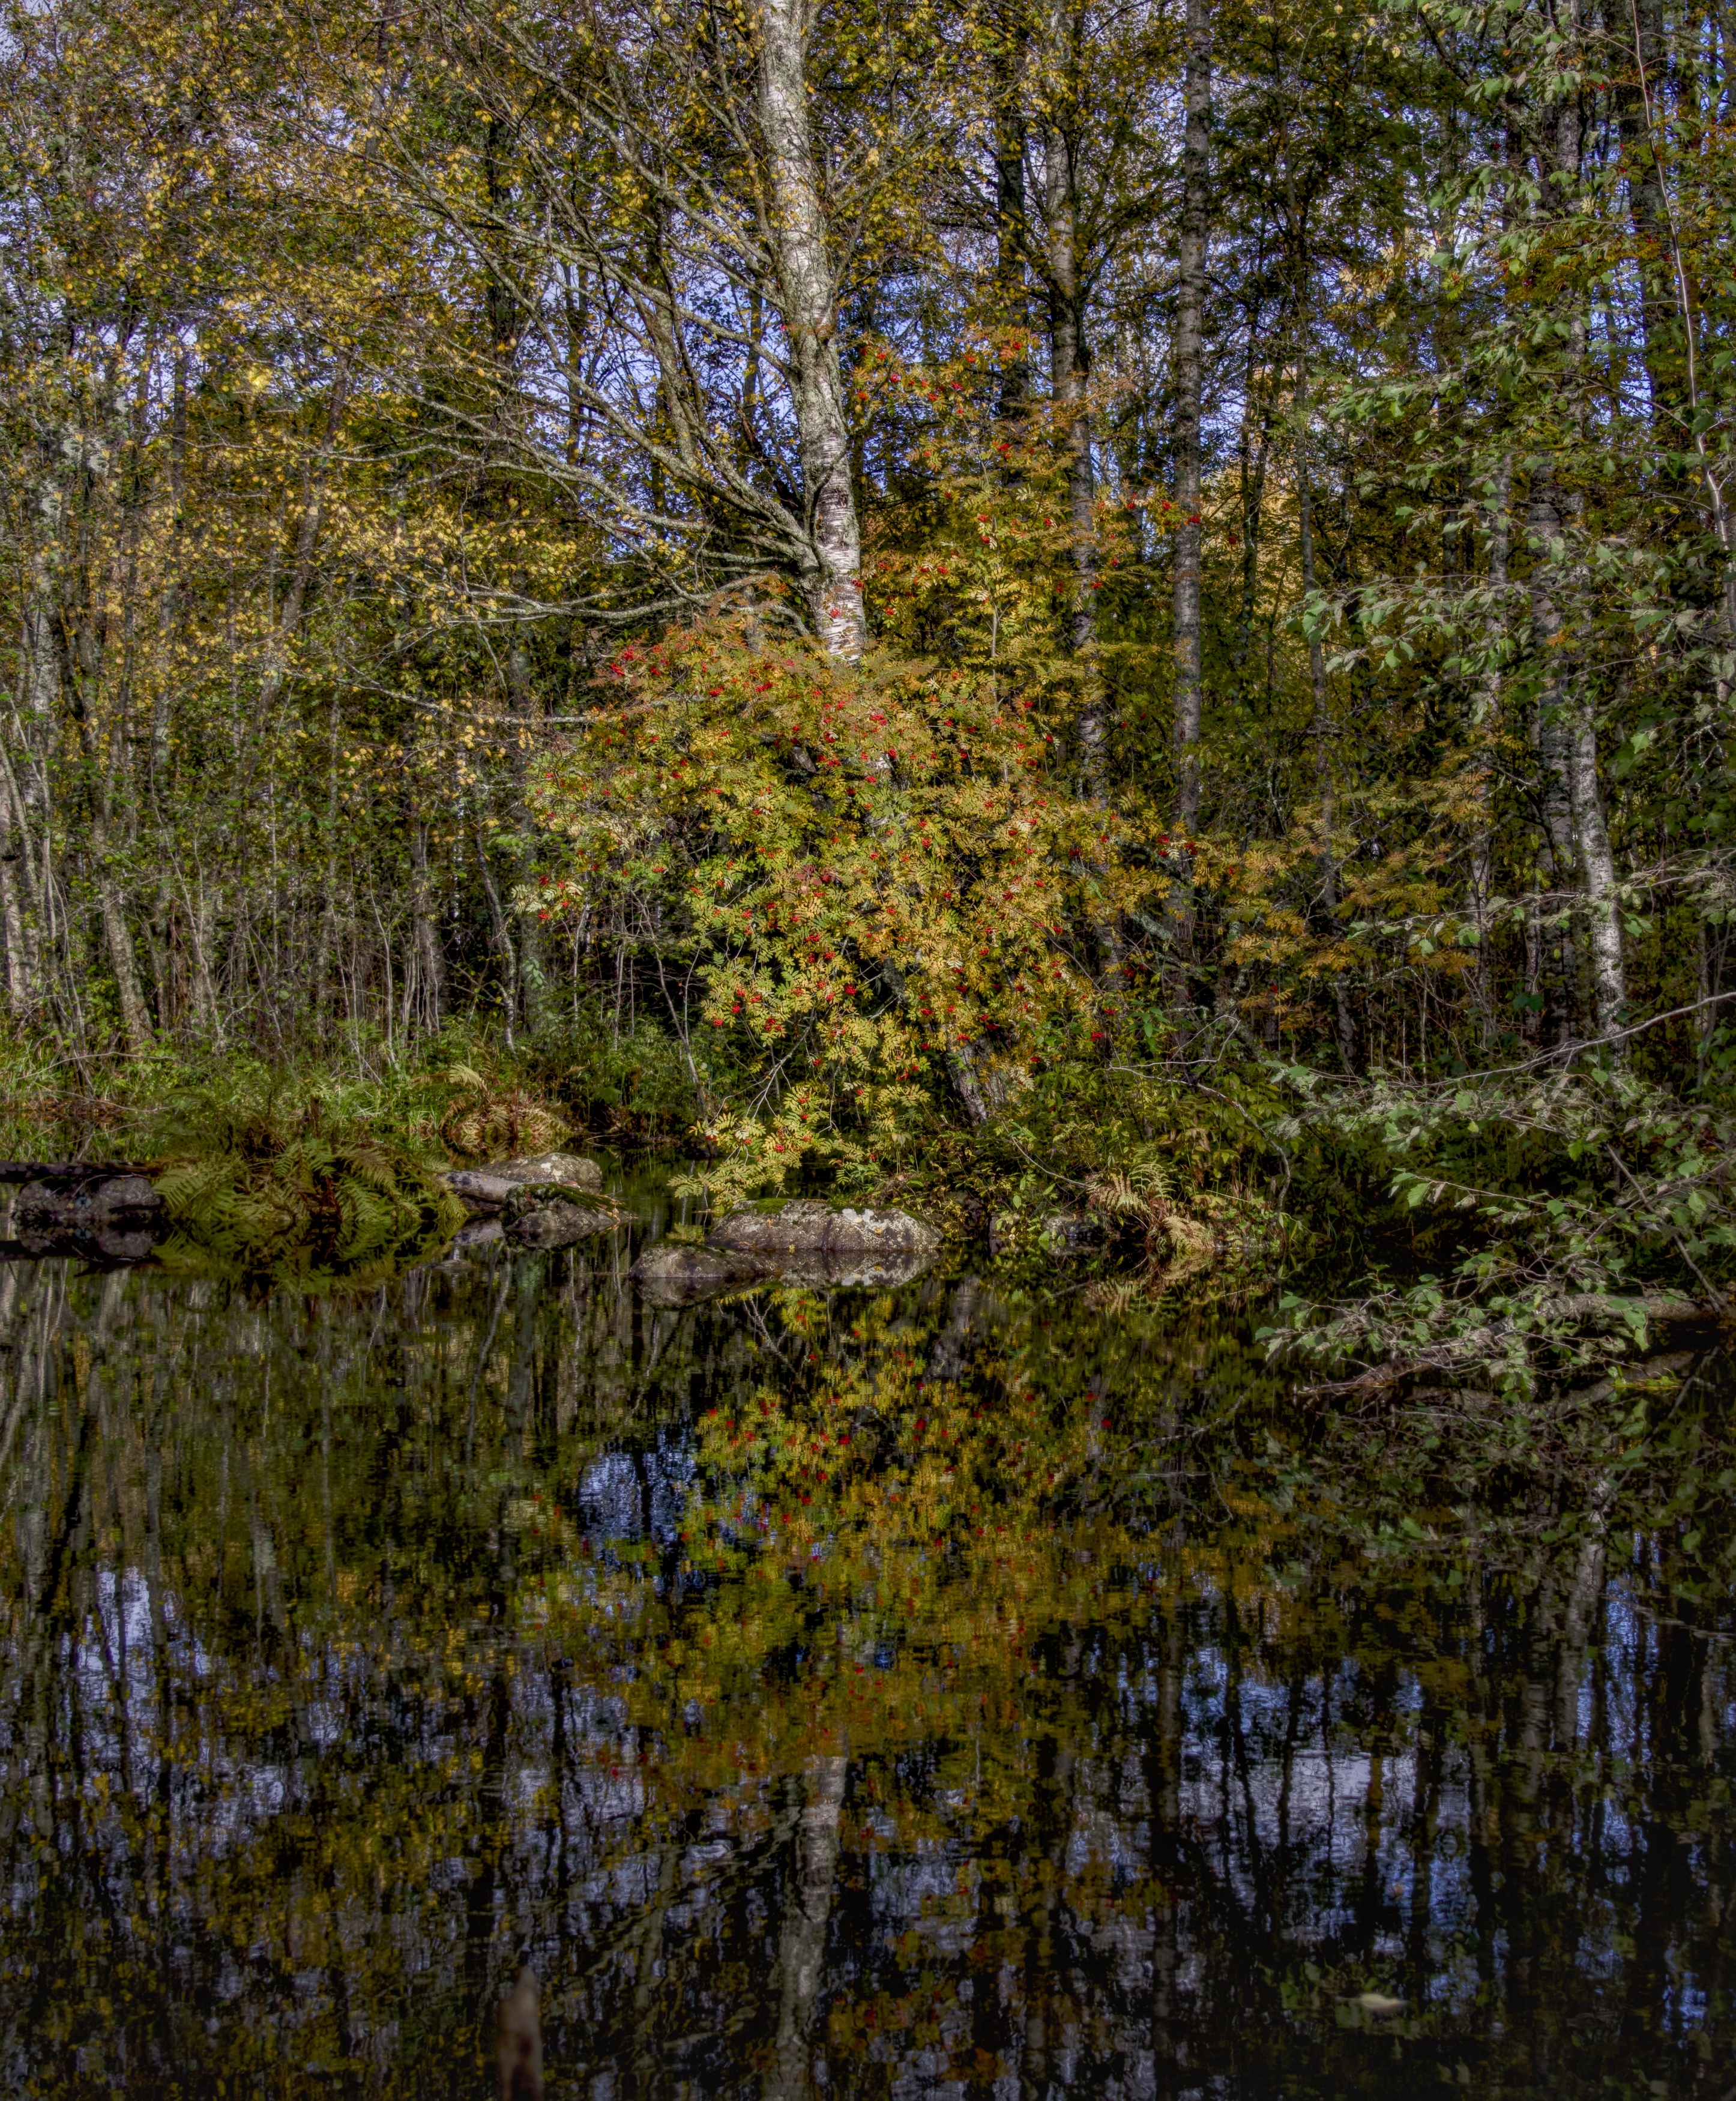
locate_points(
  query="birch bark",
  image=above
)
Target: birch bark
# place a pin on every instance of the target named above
(1322, 730)
(23, 793)
(534, 989)
(1068, 380)
(1552, 737)
(431, 960)
(1576, 833)
(1009, 204)
(1485, 726)
(11, 911)
(1190, 380)
(1597, 869)
(808, 296)
(59, 661)
(1345, 1022)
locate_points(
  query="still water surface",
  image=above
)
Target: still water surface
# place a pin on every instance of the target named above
(948, 1692)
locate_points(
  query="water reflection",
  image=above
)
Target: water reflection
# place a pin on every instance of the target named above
(927, 1691)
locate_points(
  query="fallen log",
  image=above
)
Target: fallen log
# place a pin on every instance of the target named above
(67, 1171)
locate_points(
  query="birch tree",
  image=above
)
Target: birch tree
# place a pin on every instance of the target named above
(1188, 367)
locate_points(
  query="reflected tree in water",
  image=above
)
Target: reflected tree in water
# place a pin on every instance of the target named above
(935, 1692)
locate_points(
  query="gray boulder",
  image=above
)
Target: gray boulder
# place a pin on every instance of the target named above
(488, 1187)
(806, 1227)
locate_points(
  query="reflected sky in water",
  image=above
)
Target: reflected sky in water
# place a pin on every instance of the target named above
(942, 1692)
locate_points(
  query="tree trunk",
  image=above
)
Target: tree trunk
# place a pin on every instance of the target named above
(169, 613)
(54, 663)
(808, 299)
(502, 926)
(135, 1021)
(1190, 384)
(23, 915)
(307, 546)
(1622, 18)
(1009, 204)
(534, 989)
(1069, 378)
(1598, 871)
(12, 920)
(1485, 728)
(1322, 732)
(1576, 833)
(1667, 303)
(1254, 454)
(14, 884)
(39, 690)
(431, 960)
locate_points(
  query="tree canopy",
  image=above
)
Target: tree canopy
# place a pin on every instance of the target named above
(904, 551)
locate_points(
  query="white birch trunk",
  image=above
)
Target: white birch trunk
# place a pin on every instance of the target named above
(533, 988)
(11, 916)
(17, 919)
(135, 1021)
(1576, 829)
(1486, 720)
(44, 688)
(808, 295)
(1598, 871)
(1189, 381)
(1067, 390)
(1344, 1020)
(1554, 742)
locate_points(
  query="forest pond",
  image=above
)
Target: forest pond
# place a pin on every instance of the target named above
(987, 1687)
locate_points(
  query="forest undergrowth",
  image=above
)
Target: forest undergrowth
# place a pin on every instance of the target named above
(1120, 625)
(1541, 1228)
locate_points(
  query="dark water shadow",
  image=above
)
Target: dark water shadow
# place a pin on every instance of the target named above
(938, 1690)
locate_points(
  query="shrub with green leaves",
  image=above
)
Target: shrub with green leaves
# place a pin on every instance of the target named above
(862, 885)
(1553, 1216)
